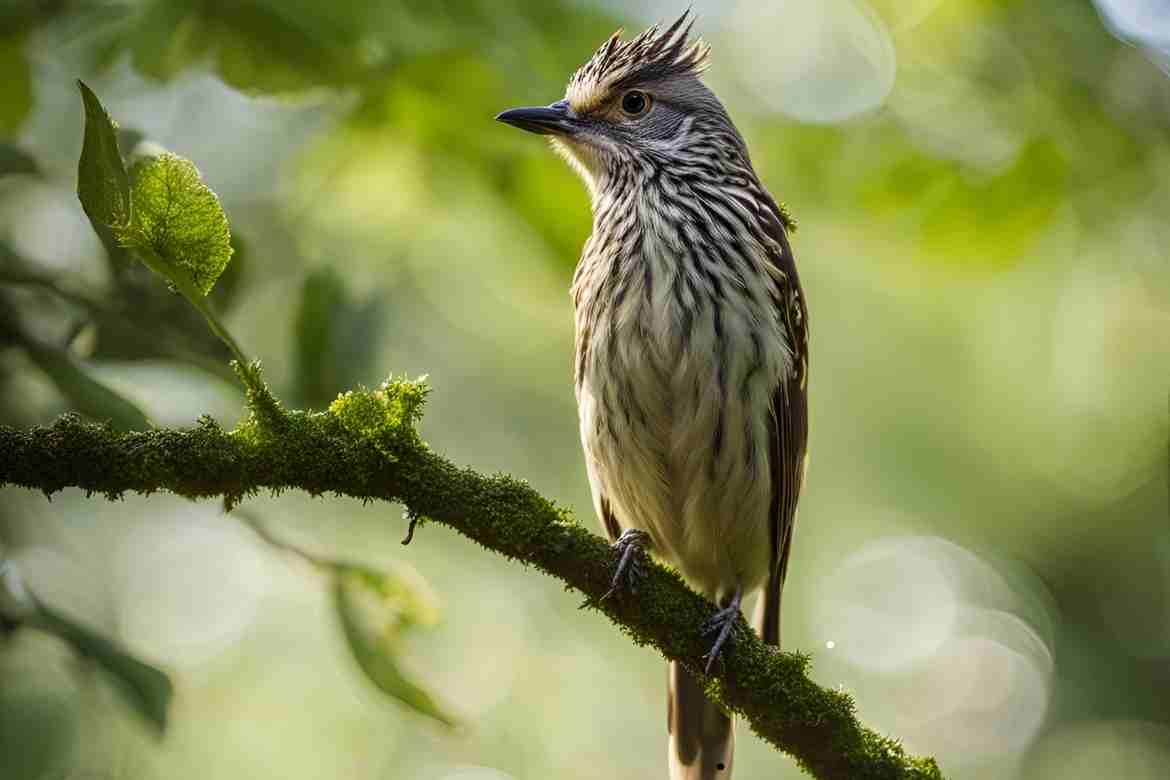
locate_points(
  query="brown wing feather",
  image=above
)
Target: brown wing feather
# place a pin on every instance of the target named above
(613, 528)
(788, 423)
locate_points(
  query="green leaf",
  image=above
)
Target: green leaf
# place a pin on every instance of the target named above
(229, 284)
(178, 219)
(375, 609)
(84, 393)
(16, 96)
(102, 184)
(14, 160)
(317, 370)
(260, 46)
(147, 689)
(335, 336)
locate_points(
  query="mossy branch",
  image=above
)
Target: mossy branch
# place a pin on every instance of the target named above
(366, 447)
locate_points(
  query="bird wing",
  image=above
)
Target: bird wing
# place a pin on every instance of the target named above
(788, 421)
(613, 528)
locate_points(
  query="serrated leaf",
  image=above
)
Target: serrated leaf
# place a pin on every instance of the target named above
(179, 219)
(102, 184)
(147, 689)
(374, 608)
(84, 393)
(14, 160)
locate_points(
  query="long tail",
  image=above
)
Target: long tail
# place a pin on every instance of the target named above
(702, 740)
(701, 745)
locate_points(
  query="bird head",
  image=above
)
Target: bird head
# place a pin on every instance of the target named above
(635, 104)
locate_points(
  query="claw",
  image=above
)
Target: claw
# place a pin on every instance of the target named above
(630, 546)
(722, 622)
(717, 621)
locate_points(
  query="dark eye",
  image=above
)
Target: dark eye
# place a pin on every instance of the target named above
(635, 103)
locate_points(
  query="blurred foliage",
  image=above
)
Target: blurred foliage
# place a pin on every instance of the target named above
(334, 337)
(376, 609)
(987, 261)
(15, 161)
(84, 393)
(16, 101)
(145, 688)
(255, 45)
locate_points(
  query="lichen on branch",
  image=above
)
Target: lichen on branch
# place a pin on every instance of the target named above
(367, 447)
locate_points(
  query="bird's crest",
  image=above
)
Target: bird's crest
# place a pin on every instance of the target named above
(655, 54)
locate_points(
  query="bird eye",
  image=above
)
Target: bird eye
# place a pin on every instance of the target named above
(635, 103)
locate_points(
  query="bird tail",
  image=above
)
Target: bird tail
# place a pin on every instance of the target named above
(702, 738)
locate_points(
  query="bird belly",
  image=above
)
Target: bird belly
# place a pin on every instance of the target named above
(674, 423)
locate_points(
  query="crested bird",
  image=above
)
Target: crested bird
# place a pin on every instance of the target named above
(691, 351)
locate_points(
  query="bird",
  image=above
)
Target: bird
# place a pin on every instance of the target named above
(691, 348)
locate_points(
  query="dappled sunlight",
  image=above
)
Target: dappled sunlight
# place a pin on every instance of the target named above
(937, 645)
(815, 62)
(474, 773)
(1145, 23)
(189, 584)
(982, 555)
(1135, 750)
(58, 238)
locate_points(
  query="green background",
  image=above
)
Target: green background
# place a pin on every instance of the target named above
(983, 550)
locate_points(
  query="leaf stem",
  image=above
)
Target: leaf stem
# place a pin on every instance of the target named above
(244, 367)
(221, 331)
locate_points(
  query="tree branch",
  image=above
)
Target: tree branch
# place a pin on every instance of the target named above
(365, 447)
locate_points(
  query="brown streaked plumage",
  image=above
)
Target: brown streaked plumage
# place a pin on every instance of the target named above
(691, 360)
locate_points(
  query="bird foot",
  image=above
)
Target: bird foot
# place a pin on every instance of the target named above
(722, 624)
(631, 549)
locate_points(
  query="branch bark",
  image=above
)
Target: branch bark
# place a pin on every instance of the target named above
(351, 451)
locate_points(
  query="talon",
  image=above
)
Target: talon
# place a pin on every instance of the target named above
(722, 621)
(629, 546)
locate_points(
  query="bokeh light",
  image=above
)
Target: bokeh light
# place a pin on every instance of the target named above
(935, 629)
(1135, 750)
(982, 555)
(1143, 22)
(191, 584)
(815, 62)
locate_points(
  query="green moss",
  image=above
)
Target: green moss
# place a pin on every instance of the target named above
(385, 417)
(367, 446)
(265, 413)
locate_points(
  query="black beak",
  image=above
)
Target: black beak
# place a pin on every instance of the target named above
(550, 120)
